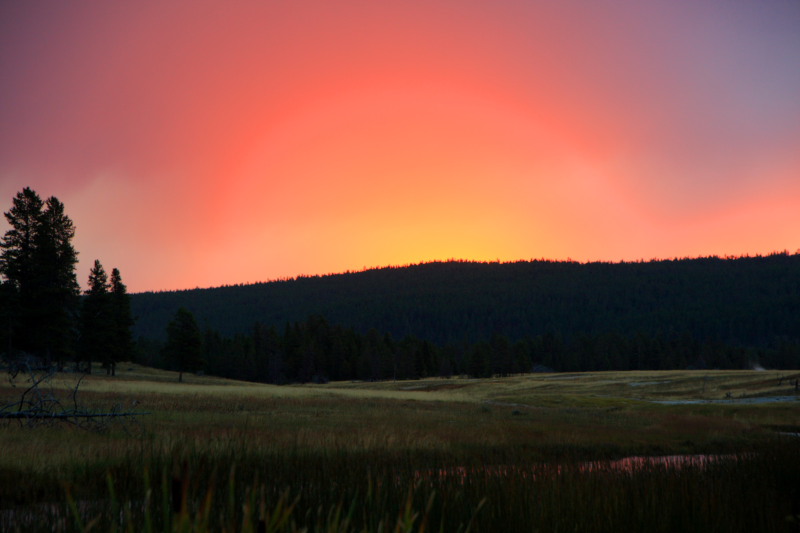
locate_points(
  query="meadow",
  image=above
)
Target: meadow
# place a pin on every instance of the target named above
(542, 452)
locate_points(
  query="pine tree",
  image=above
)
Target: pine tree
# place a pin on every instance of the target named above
(122, 345)
(18, 243)
(17, 264)
(184, 343)
(97, 323)
(38, 262)
(55, 297)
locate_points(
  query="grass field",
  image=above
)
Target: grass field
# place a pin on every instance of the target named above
(504, 454)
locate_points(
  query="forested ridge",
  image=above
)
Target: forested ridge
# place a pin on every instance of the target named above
(716, 312)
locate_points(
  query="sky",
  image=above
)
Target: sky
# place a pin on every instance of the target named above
(199, 143)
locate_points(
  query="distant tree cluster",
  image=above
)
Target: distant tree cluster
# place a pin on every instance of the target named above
(316, 351)
(41, 311)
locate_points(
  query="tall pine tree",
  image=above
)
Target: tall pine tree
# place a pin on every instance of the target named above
(97, 321)
(56, 295)
(120, 302)
(17, 265)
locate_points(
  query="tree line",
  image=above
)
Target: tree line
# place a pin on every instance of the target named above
(748, 301)
(432, 319)
(459, 317)
(315, 350)
(42, 312)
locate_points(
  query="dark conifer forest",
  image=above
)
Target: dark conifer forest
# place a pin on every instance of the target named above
(483, 319)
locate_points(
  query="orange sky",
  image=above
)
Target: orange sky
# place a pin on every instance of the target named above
(200, 143)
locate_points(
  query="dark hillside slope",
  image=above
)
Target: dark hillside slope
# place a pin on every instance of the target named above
(750, 301)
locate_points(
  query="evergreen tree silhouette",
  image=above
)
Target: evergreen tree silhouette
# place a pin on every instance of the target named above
(122, 322)
(97, 321)
(184, 343)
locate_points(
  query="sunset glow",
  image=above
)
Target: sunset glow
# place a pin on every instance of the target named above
(204, 143)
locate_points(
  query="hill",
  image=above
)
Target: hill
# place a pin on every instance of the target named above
(747, 301)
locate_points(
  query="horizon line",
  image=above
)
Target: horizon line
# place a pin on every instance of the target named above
(568, 260)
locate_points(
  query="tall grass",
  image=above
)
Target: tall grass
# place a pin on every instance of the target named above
(324, 461)
(240, 488)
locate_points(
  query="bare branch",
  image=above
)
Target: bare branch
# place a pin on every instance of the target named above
(37, 407)
(64, 416)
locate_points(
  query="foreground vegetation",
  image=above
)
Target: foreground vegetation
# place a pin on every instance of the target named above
(531, 453)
